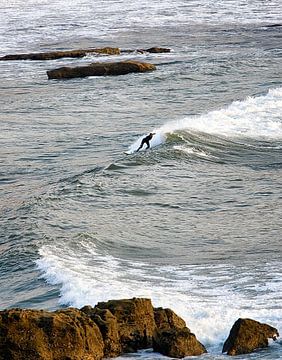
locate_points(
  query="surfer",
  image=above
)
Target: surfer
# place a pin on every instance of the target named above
(146, 140)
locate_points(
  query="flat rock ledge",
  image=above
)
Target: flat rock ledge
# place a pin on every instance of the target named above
(52, 55)
(107, 330)
(247, 335)
(100, 69)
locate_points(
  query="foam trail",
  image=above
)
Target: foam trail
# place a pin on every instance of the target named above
(209, 297)
(256, 117)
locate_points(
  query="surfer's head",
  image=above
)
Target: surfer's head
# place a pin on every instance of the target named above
(152, 134)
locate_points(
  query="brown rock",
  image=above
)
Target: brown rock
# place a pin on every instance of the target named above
(41, 335)
(108, 326)
(167, 319)
(100, 69)
(52, 55)
(136, 323)
(247, 335)
(157, 50)
(177, 343)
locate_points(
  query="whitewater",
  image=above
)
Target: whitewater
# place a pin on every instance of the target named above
(194, 223)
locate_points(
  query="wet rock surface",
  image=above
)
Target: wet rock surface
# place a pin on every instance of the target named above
(247, 335)
(101, 69)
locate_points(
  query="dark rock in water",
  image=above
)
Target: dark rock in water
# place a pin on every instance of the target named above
(100, 69)
(273, 25)
(167, 319)
(157, 50)
(172, 337)
(135, 318)
(247, 335)
(108, 326)
(177, 343)
(52, 55)
(41, 335)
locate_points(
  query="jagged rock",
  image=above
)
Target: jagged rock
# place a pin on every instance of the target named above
(246, 335)
(100, 69)
(172, 337)
(52, 55)
(167, 319)
(177, 343)
(108, 326)
(41, 335)
(136, 323)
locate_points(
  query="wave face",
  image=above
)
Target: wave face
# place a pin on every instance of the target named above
(256, 117)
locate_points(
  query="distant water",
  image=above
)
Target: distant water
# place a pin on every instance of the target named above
(195, 222)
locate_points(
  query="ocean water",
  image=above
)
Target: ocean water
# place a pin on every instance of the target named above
(195, 222)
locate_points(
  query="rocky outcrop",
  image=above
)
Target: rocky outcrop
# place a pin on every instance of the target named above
(172, 338)
(135, 319)
(157, 50)
(248, 335)
(167, 319)
(52, 55)
(41, 335)
(101, 69)
(177, 343)
(112, 328)
(108, 326)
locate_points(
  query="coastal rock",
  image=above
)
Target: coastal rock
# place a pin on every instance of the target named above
(246, 335)
(167, 319)
(172, 337)
(108, 326)
(100, 69)
(41, 335)
(52, 55)
(177, 343)
(136, 324)
(157, 50)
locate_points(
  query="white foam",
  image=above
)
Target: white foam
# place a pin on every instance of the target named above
(256, 117)
(210, 298)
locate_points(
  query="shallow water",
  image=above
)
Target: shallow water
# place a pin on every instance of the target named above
(194, 223)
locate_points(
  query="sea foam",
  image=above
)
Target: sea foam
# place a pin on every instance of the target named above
(256, 117)
(209, 297)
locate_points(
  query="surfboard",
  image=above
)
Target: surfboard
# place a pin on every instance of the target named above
(157, 139)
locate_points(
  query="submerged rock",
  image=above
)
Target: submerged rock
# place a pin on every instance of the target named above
(135, 319)
(247, 335)
(100, 69)
(52, 55)
(42, 335)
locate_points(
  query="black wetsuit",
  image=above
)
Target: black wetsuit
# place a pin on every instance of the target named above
(146, 141)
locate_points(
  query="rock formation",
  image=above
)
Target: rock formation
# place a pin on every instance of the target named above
(135, 319)
(110, 329)
(100, 69)
(41, 335)
(107, 330)
(52, 55)
(247, 335)
(172, 338)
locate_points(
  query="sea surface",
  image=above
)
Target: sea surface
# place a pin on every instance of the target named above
(194, 223)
